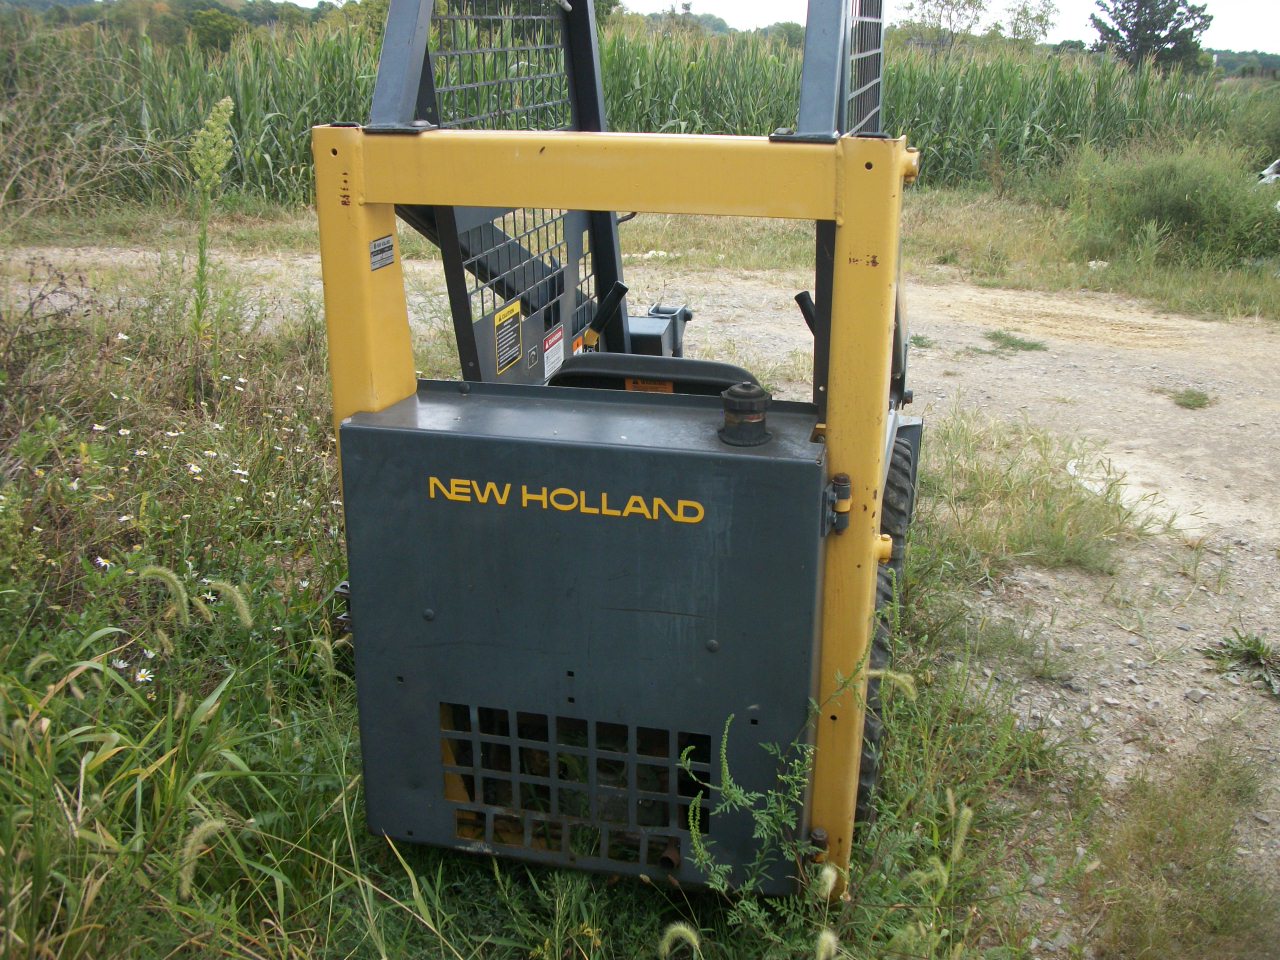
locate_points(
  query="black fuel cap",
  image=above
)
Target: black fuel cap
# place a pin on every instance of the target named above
(745, 406)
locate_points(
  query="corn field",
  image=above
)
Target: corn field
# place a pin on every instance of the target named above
(91, 113)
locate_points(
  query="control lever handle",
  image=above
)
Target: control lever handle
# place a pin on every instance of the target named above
(807, 308)
(609, 308)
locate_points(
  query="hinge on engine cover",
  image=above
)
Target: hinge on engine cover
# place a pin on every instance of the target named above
(838, 497)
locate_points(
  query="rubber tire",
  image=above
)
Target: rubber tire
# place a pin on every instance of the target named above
(895, 519)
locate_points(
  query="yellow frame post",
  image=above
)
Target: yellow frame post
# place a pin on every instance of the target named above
(370, 353)
(870, 178)
(856, 182)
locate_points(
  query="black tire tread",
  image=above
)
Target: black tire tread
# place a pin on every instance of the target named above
(895, 520)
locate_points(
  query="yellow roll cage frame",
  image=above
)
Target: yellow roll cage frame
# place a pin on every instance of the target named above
(856, 182)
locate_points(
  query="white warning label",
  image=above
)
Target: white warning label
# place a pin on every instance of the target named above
(552, 352)
(382, 253)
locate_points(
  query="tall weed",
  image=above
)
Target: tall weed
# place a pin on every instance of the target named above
(1194, 199)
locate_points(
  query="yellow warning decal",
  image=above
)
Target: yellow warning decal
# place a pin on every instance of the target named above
(508, 344)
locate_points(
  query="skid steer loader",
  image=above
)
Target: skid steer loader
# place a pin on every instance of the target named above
(572, 565)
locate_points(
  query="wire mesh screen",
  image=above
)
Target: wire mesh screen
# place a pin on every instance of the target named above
(502, 65)
(862, 107)
(519, 255)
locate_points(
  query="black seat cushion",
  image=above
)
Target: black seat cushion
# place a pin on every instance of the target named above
(611, 371)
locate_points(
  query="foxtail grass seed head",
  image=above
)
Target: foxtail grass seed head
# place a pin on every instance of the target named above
(962, 832)
(826, 880)
(903, 682)
(676, 936)
(828, 946)
(176, 590)
(238, 603)
(197, 842)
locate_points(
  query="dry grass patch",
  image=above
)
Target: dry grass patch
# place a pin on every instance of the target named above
(1171, 883)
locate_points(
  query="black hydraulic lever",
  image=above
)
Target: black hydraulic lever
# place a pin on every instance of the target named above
(808, 309)
(609, 308)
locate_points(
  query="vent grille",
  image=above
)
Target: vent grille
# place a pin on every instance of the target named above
(865, 67)
(572, 787)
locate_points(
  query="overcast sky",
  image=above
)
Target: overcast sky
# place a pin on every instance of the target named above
(1237, 24)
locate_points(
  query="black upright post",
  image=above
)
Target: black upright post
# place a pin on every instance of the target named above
(582, 64)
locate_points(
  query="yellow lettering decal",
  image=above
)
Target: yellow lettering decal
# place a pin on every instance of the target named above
(561, 503)
(637, 505)
(491, 491)
(658, 502)
(689, 511)
(563, 499)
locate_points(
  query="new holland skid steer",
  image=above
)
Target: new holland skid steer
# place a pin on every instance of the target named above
(571, 566)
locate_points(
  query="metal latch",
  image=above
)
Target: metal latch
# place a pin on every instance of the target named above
(839, 498)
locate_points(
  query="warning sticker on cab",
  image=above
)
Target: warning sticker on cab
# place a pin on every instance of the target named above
(650, 386)
(508, 344)
(382, 253)
(552, 352)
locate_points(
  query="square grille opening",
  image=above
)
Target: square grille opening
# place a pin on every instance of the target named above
(567, 785)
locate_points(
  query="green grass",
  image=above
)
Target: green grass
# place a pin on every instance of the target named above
(1170, 883)
(218, 794)
(1004, 340)
(1190, 398)
(1248, 654)
(1001, 494)
(1020, 242)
